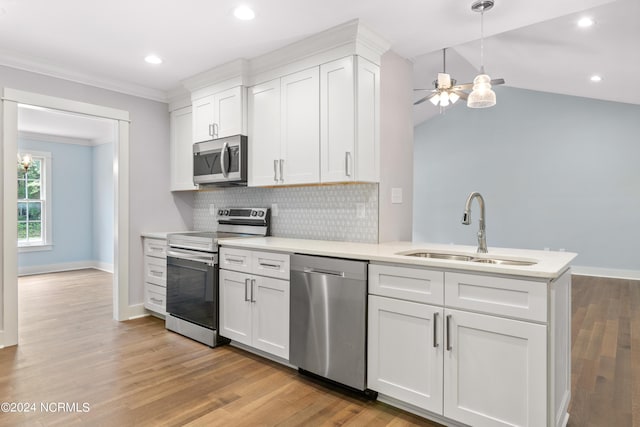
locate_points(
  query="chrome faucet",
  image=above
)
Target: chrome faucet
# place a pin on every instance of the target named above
(466, 220)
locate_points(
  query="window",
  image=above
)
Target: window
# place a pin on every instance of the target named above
(34, 204)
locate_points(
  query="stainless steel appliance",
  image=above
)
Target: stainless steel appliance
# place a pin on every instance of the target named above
(192, 273)
(221, 162)
(328, 318)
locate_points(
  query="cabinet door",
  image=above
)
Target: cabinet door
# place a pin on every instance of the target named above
(495, 370)
(405, 351)
(228, 112)
(337, 121)
(203, 118)
(271, 315)
(367, 159)
(181, 150)
(300, 143)
(235, 306)
(264, 134)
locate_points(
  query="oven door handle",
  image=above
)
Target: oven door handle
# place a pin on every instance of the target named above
(190, 256)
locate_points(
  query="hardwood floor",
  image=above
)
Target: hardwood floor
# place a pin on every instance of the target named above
(137, 373)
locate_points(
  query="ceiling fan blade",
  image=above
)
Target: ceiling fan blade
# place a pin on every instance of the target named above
(497, 82)
(426, 89)
(461, 94)
(426, 98)
(463, 86)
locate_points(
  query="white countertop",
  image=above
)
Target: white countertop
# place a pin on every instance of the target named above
(158, 234)
(548, 265)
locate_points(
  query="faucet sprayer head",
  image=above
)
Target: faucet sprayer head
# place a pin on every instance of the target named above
(466, 217)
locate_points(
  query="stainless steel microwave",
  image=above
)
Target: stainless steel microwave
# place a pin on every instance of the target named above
(221, 162)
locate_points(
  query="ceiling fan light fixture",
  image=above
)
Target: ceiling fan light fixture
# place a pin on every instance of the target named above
(482, 95)
(435, 99)
(453, 97)
(444, 99)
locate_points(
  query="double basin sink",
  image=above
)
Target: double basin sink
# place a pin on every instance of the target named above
(467, 258)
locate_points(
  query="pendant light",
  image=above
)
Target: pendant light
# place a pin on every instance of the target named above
(481, 96)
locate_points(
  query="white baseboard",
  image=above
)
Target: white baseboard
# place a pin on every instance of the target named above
(136, 311)
(65, 266)
(612, 273)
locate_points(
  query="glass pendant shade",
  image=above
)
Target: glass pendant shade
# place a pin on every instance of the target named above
(435, 99)
(482, 96)
(453, 97)
(444, 99)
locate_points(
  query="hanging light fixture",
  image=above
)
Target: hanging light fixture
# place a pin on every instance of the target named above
(25, 161)
(482, 96)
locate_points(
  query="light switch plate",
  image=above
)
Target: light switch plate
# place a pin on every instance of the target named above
(396, 195)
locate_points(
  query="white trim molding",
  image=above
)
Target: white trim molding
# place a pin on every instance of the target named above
(64, 266)
(612, 273)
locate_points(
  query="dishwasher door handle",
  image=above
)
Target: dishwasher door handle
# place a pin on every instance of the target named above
(326, 272)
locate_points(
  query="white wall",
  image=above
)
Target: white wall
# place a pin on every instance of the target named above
(396, 147)
(102, 196)
(152, 206)
(556, 171)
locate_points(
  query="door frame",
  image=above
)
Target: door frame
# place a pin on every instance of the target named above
(8, 191)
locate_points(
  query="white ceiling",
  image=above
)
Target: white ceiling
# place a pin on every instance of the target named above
(104, 43)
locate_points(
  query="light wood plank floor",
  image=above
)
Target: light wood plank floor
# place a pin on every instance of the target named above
(137, 373)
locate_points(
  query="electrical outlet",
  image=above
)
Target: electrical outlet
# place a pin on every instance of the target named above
(360, 210)
(274, 209)
(212, 209)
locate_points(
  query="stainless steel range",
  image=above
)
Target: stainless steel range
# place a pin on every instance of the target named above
(192, 273)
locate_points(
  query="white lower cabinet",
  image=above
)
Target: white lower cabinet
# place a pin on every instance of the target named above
(155, 274)
(473, 368)
(254, 309)
(405, 351)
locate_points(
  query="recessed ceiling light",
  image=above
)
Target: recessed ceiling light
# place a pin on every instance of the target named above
(596, 78)
(244, 13)
(585, 22)
(153, 59)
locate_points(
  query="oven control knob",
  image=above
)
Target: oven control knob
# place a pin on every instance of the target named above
(220, 212)
(254, 213)
(261, 213)
(226, 212)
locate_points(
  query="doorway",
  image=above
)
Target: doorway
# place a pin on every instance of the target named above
(11, 101)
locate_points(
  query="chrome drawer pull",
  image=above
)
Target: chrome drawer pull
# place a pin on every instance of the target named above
(435, 330)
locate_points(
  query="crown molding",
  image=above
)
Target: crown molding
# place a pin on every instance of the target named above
(230, 70)
(12, 60)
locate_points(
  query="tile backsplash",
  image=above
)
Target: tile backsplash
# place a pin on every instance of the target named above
(328, 212)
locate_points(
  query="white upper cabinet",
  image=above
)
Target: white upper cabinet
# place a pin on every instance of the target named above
(349, 120)
(284, 130)
(181, 143)
(219, 115)
(300, 149)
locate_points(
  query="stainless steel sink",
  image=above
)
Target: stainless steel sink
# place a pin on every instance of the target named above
(439, 255)
(467, 258)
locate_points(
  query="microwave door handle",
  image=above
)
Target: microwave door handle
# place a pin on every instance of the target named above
(223, 159)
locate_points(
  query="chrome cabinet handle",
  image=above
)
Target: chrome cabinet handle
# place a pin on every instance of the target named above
(155, 300)
(253, 284)
(211, 130)
(264, 264)
(215, 131)
(246, 291)
(448, 337)
(156, 272)
(234, 261)
(223, 159)
(435, 330)
(275, 170)
(281, 173)
(347, 163)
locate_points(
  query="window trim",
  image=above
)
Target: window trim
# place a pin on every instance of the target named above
(45, 172)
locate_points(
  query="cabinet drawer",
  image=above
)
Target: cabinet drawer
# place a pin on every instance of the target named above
(235, 259)
(155, 298)
(155, 247)
(412, 284)
(155, 271)
(500, 296)
(271, 264)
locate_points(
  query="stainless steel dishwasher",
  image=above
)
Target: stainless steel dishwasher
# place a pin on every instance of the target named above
(328, 318)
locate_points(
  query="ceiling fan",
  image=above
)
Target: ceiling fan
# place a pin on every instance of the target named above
(446, 91)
